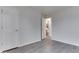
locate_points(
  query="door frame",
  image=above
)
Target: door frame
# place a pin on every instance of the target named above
(42, 17)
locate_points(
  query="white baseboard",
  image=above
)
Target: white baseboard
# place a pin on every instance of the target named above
(67, 42)
(20, 45)
(28, 43)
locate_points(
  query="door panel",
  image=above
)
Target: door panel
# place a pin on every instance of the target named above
(9, 28)
(9, 40)
(10, 20)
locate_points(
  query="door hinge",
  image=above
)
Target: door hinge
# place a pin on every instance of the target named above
(2, 27)
(1, 11)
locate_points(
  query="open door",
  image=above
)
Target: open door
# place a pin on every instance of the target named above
(46, 28)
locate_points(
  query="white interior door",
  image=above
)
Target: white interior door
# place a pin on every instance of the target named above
(1, 30)
(9, 28)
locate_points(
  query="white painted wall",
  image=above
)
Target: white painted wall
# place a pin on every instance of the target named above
(30, 26)
(66, 26)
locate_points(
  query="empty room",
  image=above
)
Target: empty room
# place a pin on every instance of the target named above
(39, 29)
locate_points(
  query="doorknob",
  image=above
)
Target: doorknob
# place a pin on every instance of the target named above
(16, 30)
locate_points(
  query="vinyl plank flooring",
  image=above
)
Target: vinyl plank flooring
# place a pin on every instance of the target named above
(46, 46)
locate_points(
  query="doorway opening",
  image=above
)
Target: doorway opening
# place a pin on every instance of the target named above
(46, 28)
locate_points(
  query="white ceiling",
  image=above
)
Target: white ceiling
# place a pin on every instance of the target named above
(44, 9)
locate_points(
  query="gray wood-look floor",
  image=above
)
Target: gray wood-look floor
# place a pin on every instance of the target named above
(46, 46)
